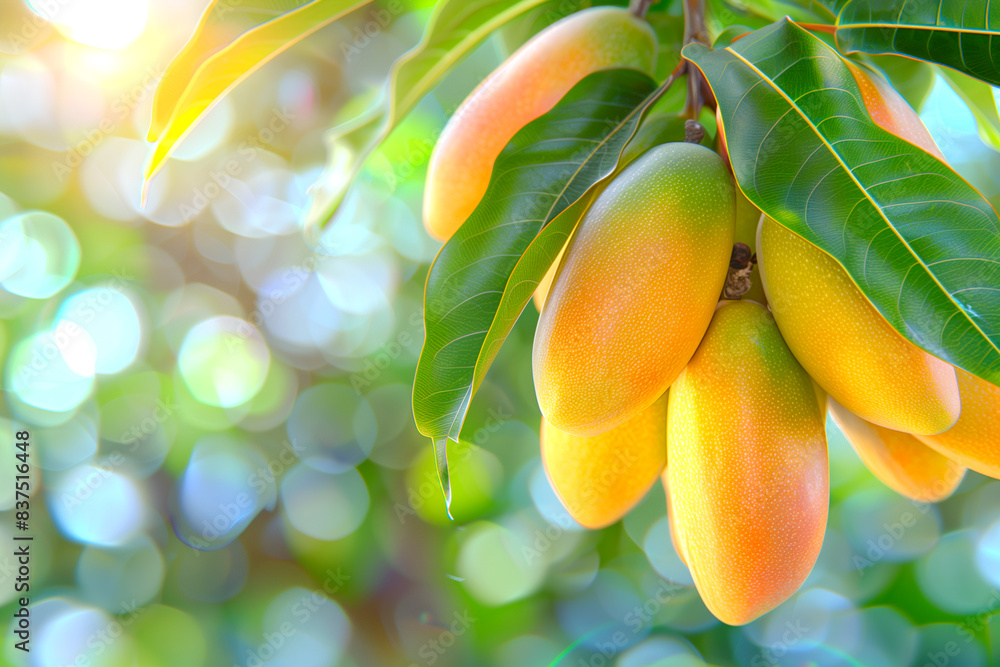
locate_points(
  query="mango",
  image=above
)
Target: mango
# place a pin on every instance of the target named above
(846, 345)
(748, 476)
(899, 460)
(600, 478)
(635, 289)
(672, 521)
(974, 441)
(524, 87)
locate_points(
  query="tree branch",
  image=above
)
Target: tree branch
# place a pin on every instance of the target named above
(640, 7)
(694, 31)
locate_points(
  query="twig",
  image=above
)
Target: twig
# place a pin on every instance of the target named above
(694, 31)
(640, 7)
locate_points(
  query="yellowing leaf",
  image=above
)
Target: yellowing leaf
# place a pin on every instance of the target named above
(224, 69)
(213, 31)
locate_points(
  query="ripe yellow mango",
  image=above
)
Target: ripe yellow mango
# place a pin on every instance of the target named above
(599, 479)
(748, 477)
(635, 290)
(672, 521)
(524, 87)
(846, 345)
(655, 130)
(974, 441)
(899, 460)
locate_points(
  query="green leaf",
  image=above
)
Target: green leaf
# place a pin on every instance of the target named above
(486, 273)
(955, 34)
(758, 13)
(831, 6)
(215, 29)
(982, 103)
(919, 241)
(220, 72)
(454, 29)
(729, 35)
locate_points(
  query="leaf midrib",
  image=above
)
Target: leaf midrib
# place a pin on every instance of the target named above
(908, 26)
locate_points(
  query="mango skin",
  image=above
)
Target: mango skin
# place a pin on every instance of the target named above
(635, 290)
(846, 345)
(524, 87)
(654, 130)
(899, 460)
(672, 521)
(748, 477)
(974, 441)
(600, 478)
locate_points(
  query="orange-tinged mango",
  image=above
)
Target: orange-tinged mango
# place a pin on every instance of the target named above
(899, 460)
(891, 112)
(846, 345)
(748, 476)
(524, 87)
(974, 441)
(599, 478)
(635, 290)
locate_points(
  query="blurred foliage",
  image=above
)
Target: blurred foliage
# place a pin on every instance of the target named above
(225, 466)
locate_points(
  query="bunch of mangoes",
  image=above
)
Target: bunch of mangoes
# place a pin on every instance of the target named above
(642, 372)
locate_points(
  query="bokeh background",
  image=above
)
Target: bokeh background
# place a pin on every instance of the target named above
(225, 469)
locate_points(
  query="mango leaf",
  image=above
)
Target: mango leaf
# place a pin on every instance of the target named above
(920, 242)
(758, 13)
(220, 72)
(454, 29)
(486, 273)
(831, 6)
(983, 105)
(955, 34)
(213, 31)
